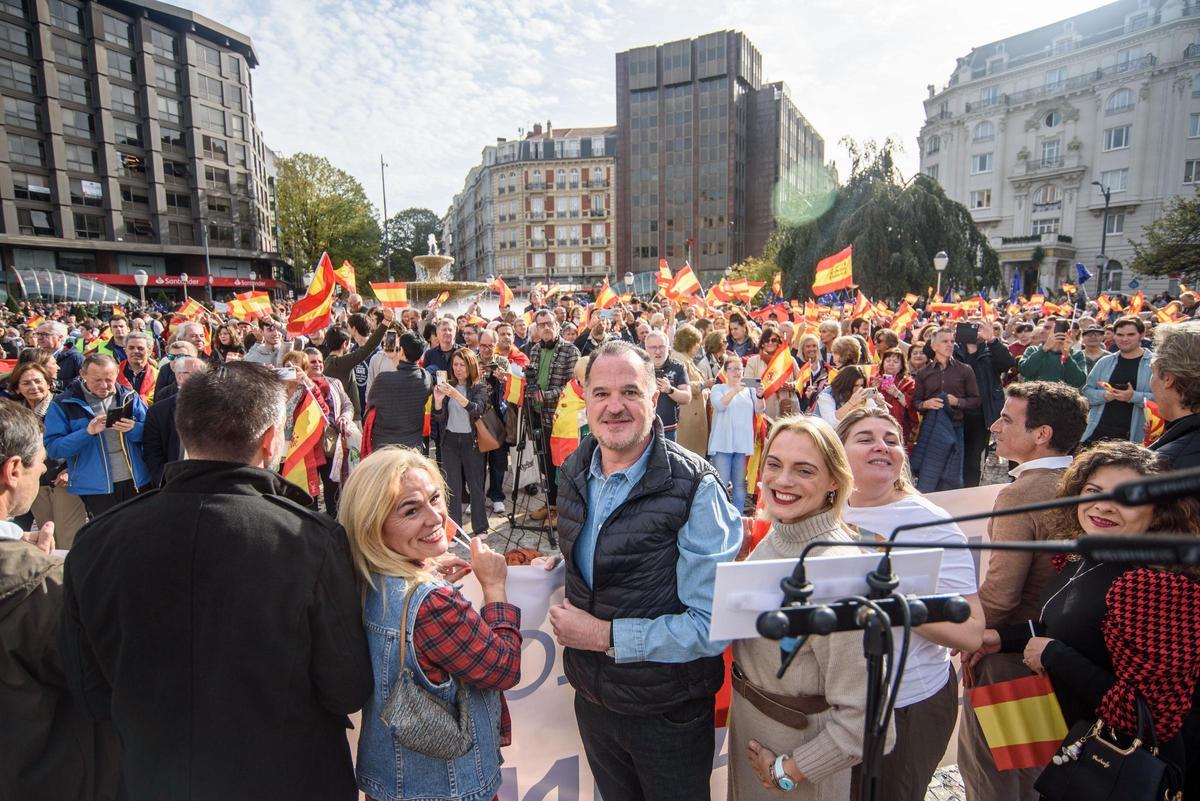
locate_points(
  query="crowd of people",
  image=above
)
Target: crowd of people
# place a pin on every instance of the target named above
(258, 526)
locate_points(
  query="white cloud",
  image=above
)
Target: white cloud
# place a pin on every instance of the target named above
(429, 84)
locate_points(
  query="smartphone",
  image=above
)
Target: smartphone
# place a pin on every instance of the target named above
(607, 314)
(442, 377)
(752, 383)
(390, 341)
(119, 413)
(966, 334)
(1062, 326)
(285, 373)
(660, 373)
(887, 380)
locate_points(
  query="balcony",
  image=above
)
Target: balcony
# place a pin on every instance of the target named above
(501, 190)
(1192, 51)
(573, 185)
(598, 241)
(573, 213)
(1052, 206)
(562, 185)
(574, 242)
(536, 244)
(535, 215)
(537, 186)
(1046, 168)
(601, 184)
(598, 212)
(940, 115)
(1069, 85)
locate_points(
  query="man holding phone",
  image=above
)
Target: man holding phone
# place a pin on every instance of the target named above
(1054, 360)
(96, 425)
(1118, 387)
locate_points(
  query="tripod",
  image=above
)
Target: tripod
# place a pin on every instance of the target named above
(519, 508)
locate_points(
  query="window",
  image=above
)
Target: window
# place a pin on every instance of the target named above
(213, 118)
(17, 76)
(239, 155)
(1119, 101)
(166, 77)
(1191, 171)
(234, 67)
(124, 100)
(1193, 126)
(14, 39)
(989, 96)
(89, 226)
(1052, 153)
(65, 16)
(597, 145)
(984, 131)
(560, 180)
(178, 201)
(1116, 138)
(980, 163)
(79, 124)
(139, 230)
(27, 186)
(162, 44)
(932, 171)
(1045, 226)
(127, 133)
(117, 31)
(216, 178)
(24, 114)
(34, 222)
(177, 170)
(74, 88)
(934, 145)
(235, 97)
(218, 204)
(238, 126)
(87, 193)
(26, 150)
(1115, 180)
(171, 137)
(1053, 119)
(131, 165)
(180, 233)
(599, 258)
(210, 57)
(220, 235)
(210, 88)
(574, 183)
(14, 7)
(1116, 224)
(1129, 59)
(215, 148)
(121, 66)
(981, 199)
(1047, 198)
(169, 110)
(1196, 85)
(1056, 79)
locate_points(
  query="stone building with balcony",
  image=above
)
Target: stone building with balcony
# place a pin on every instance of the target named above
(1031, 130)
(537, 209)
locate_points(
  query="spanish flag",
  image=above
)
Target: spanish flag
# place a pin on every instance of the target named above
(749, 290)
(249, 305)
(117, 311)
(781, 367)
(35, 321)
(910, 298)
(427, 423)
(564, 435)
(300, 465)
(312, 312)
(664, 274)
(501, 289)
(344, 275)
(100, 344)
(684, 283)
(606, 298)
(1021, 721)
(1069, 288)
(443, 297)
(1136, 303)
(754, 461)
(861, 305)
(391, 296)
(777, 285)
(904, 317)
(191, 310)
(834, 272)
(514, 390)
(1036, 299)
(719, 293)
(1104, 304)
(7, 366)
(1155, 425)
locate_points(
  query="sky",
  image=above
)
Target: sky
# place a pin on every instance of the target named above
(427, 85)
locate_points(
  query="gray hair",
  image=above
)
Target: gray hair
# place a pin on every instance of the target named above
(60, 330)
(202, 365)
(1177, 352)
(185, 326)
(621, 348)
(20, 433)
(143, 335)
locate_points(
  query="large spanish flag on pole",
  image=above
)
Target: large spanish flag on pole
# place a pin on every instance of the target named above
(684, 283)
(300, 465)
(249, 305)
(833, 273)
(781, 367)
(393, 295)
(312, 312)
(500, 288)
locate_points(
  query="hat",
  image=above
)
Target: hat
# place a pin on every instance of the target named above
(1093, 329)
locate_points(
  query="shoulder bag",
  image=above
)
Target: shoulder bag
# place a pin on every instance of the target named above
(421, 721)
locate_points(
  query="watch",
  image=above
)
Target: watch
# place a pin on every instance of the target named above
(611, 653)
(782, 780)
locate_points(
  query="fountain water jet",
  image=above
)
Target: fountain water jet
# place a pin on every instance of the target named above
(430, 281)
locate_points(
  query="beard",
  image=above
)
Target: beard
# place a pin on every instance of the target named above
(624, 442)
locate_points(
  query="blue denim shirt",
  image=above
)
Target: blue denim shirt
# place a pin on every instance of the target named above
(712, 534)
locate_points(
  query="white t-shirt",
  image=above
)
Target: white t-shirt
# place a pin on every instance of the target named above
(927, 668)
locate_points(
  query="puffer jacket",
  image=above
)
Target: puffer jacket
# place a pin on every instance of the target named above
(52, 749)
(67, 438)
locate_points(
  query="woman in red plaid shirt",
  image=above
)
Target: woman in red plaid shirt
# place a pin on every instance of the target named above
(393, 508)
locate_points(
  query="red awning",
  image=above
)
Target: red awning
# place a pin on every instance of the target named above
(198, 281)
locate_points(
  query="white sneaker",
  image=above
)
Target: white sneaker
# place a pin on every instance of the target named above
(498, 507)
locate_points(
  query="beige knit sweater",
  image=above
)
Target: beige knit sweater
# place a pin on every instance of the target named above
(831, 666)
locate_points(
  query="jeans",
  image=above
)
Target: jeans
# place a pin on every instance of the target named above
(665, 757)
(497, 464)
(460, 457)
(97, 505)
(731, 467)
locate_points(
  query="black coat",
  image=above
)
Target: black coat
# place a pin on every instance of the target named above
(160, 439)
(1180, 443)
(217, 622)
(990, 362)
(70, 365)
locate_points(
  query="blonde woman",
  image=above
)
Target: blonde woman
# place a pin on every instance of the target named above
(393, 508)
(807, 727)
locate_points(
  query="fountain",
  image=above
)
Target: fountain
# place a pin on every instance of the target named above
(430, 282)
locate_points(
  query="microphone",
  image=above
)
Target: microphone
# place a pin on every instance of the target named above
(802, 621)
(1168, 487)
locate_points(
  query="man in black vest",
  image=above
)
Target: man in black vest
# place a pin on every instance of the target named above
(642, 526)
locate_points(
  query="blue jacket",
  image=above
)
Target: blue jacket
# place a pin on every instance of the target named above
(937, 458)
(1141, 393)
(67, 438)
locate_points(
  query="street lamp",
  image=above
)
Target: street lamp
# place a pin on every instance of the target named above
(140, 278)
(939, 263)
(183, 277)
(1102, 259)
(629, 282)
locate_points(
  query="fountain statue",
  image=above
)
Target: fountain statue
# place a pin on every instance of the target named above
(431, 282)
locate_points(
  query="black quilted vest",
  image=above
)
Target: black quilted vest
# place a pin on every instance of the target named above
(634, 577)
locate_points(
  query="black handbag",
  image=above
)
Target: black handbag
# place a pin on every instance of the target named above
(1093, 764)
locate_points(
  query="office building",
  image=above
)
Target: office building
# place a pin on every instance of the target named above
(129, 143)
(1031, 130)
(705, 153)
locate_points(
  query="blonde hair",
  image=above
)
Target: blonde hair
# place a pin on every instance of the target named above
(368, 497)
(904, 483)
(827, 444)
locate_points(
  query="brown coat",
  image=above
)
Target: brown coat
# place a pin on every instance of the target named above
(693, 416)
(1012, 588)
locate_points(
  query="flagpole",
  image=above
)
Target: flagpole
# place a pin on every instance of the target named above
(387, 250)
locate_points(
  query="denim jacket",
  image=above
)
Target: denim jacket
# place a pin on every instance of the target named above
(386, 770)
(1095, 393)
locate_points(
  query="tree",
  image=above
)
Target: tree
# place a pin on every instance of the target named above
(407, 236)
(322, 208)
(1172, 242)
(896, 228)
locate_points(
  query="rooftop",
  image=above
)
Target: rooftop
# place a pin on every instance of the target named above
(570, 133)
(182, 19)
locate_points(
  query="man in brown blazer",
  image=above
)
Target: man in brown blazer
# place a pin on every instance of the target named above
(1040, 425)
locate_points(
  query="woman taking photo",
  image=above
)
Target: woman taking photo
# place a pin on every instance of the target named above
(227, 344)
(818, 373)
(845, 392)
(883, 498)
(896, 387)
(714, 355)
(458, 401)
(394, 511)
(1109, 631)
(732, 437)
(783, 401)
(807, 727)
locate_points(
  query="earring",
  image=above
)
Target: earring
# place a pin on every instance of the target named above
(830, 498)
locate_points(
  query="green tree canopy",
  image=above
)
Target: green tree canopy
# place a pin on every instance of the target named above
(322, 208)
(1172, 242)
(896, 228)
(407, 236)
